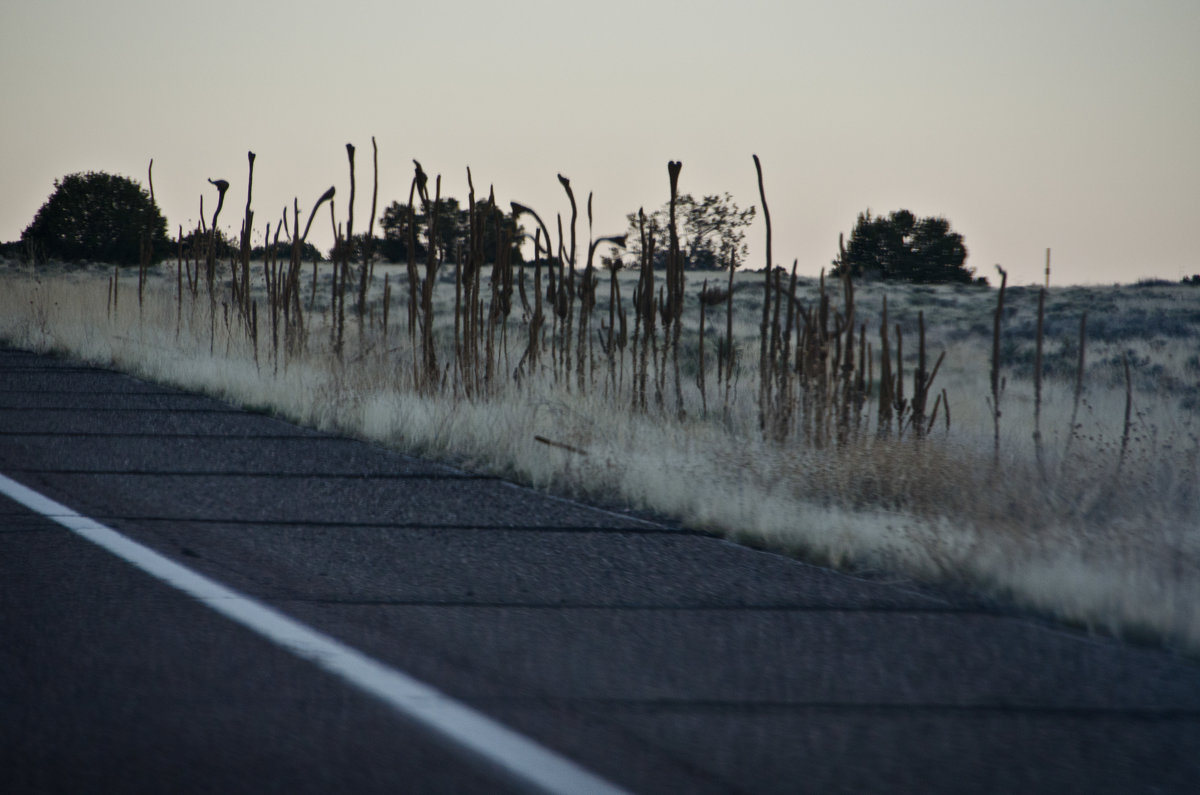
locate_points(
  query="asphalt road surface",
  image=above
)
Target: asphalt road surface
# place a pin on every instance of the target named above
(651, 658)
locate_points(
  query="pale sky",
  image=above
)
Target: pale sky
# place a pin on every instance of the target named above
(1066, 124)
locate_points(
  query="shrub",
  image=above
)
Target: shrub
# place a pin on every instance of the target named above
(283, 251)
(98, 217)
(197, 243)
(12, 249)
(903, 247)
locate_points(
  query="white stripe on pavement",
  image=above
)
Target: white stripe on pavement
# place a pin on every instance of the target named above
(503, 749)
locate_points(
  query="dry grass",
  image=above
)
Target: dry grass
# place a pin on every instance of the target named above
(1096, 520)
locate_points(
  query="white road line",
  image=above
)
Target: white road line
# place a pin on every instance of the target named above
(511, 754)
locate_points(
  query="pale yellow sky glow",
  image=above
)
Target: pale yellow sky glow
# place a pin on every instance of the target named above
(1069, 125)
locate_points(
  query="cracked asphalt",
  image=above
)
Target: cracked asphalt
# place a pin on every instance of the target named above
(661, 659)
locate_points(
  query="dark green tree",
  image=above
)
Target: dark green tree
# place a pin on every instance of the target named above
(283, 251)
(394, 223)
(98, 217)
(196, 243)
(454, 224)
(711, 230)
(903, 247)
(354, 251)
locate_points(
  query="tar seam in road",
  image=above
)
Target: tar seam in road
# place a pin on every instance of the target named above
(515, 756)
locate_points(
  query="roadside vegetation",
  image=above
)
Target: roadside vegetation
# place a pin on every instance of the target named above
(1038, 446)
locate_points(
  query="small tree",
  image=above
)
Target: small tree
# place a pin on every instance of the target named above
(283, 251)
(903, 247)
(453, 229)
(196, 244)
(99, 217)
(711, 231)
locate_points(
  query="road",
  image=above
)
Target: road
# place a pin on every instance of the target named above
(654, 658)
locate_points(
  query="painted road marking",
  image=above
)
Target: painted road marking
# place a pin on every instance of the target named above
(513, 755)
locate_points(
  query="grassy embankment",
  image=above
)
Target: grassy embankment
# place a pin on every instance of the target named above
(1079, 497)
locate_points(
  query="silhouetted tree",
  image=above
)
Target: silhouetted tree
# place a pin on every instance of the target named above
(14, 249)
(453, 229)
(196, 244)
(283, 251)
(99, 217)
(710, 231)
(357, 248)
(903, 247)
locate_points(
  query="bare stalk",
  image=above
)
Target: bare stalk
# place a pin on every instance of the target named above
(997, 387)
(1037, 375)
(1079, 367)
(764, 379)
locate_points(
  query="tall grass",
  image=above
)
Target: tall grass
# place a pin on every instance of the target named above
(1011, 466)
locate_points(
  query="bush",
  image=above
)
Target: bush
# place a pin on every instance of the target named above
(282, 251)
(355, 251)
(98, 217)
(13, 249)
(196, 244)
(903, 247)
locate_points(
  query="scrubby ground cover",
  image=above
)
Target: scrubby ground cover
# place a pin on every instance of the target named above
(1097, 521)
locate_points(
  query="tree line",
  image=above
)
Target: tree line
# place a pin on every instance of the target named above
(101, 217)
